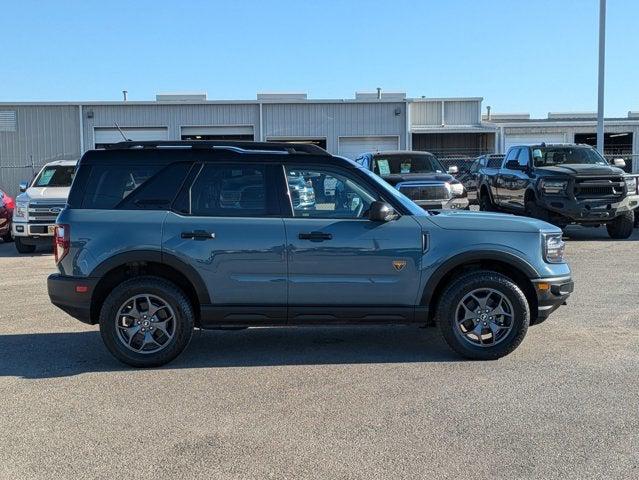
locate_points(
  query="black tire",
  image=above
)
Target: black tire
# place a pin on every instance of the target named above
(485, 204)
(22, 247)
(148, 285)
(535, 211)
(636, 212)
(621, 227)
(7, 238)
(453, 295)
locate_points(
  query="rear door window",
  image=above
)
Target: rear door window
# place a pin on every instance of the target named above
(229, 190)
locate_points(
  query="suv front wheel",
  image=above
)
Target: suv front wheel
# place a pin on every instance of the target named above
(146, 322)
(483, 315)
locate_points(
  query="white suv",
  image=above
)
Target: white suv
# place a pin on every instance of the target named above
(39, 204)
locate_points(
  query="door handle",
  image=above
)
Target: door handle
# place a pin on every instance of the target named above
(315, 236)
(198, 235)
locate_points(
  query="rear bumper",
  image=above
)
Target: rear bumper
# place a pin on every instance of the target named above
(552, 293)
(64, 295)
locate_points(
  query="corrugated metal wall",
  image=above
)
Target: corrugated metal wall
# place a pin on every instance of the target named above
(43, 133)
(172, 116)
(334, 120)
(456, 112)
(426, 113)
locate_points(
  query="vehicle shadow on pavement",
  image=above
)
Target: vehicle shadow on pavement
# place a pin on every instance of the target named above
(600, 234)
(9, 250)
(51, 355)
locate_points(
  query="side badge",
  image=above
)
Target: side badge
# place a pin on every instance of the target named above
(399, 264)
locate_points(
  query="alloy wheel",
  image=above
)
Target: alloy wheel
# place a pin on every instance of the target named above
(145, 324)
(484, 317)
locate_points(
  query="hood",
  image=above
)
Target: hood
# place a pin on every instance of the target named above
(582, 169)
(45, 194)
(486, 221)
(396, 178)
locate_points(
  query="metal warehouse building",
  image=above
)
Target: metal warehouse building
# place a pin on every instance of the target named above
(32, 134)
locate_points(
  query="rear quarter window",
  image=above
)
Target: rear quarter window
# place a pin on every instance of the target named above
(133, 187)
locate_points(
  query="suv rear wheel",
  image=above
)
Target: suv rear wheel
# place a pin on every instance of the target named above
(483, 315)
(621, 227)
(146, 322)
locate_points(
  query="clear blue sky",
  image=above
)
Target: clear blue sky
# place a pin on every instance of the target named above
(521, 56)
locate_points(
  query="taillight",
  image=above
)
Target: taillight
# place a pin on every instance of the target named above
(61, 241)
(9, 202)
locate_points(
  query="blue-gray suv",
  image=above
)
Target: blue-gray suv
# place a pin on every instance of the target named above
(160, 237)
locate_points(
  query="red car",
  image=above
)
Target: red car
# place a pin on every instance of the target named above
(6, 213)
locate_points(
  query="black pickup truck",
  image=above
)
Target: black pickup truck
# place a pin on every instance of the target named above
(562, 184)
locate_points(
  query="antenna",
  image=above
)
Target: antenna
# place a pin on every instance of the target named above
(121, 132)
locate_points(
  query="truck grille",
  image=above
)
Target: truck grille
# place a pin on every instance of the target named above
(599, 187)
(425, 192)
(44, 212)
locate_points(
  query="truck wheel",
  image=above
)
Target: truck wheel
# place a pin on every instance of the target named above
(621, 227)
(636, 218)
(22, 247)
(7, 238)
(485, 205)
(483, 315)
(535, 211)
(146, 322)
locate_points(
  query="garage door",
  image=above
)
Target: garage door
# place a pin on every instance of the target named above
(353, 147)
(106, 135)
(533, 139)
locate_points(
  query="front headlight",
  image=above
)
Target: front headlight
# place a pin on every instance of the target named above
(457, 189)
(554, 186)
(554, 248)
(631, 184)
(21, 210)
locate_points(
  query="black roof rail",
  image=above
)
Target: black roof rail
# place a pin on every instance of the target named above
(236, 146)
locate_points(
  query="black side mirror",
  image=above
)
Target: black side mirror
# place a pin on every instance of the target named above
(23, 186)
(381, 212)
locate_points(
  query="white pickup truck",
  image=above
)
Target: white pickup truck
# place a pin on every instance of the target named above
(38, 205)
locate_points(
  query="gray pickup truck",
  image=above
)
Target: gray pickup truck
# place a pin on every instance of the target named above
(160, 237)
(562, 184)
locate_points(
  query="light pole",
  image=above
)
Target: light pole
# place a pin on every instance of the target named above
(602, 60)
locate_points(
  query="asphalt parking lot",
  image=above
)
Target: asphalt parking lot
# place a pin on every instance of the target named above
(383, 402)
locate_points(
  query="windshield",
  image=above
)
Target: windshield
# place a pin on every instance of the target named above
(55, 176)
(411, 206)
(549, 156)
(402, 164)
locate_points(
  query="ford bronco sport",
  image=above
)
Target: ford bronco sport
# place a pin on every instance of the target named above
(160, 237)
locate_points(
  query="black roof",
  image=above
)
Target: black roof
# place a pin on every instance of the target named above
(204, 150)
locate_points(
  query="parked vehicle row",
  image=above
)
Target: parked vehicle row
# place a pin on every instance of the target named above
(6, 214)
(39, 204)
(420, 176)
(159, 237)
(562, 184)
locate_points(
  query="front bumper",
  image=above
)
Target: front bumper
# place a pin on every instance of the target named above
(551, 294)
(64, 294)
(589, 210)
(34, 230)
(460, 203)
